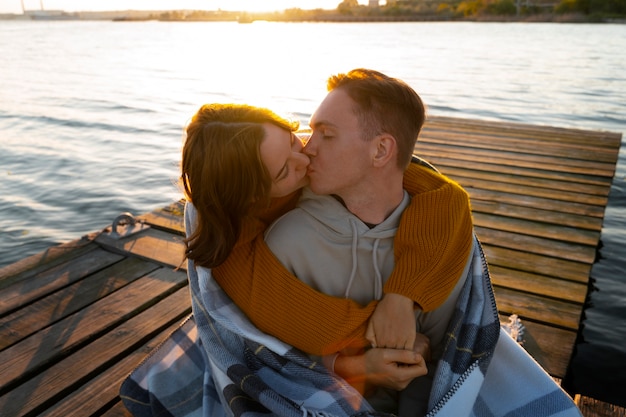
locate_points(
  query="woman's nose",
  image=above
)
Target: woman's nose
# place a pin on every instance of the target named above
(302, 159)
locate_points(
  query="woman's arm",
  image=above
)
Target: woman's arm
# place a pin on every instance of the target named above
(281, 305)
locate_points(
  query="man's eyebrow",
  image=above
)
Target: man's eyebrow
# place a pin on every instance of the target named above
(322, 123)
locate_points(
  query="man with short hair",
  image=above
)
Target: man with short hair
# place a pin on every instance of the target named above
(362, 141)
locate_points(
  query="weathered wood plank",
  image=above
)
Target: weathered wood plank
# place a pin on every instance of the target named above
(524, 144)
(551, 194)
(538, 308)
(118, 410)
(42, 390)
(168, 218)
(426, 149)
(575, 292)
(525, 181)
(47, 346)
(551, 347)
(49, 280)
(541, 203)
(599, 138)
(514, 239)
(587, 229)
(446, 162)
(537, 264)
(46, 311)
(28, 267)
(152, 244)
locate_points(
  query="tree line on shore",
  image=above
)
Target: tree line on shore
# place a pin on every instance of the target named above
(419, 10)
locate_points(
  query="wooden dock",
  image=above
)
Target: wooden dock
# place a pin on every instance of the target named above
(77, 318)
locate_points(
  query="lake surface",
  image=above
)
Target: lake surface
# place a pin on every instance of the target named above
(92, 116)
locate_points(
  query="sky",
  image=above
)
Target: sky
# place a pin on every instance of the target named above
(14, 6)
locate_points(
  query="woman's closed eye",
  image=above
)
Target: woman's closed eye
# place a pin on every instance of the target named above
(283, 173)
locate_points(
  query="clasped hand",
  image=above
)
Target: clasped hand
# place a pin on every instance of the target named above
(392, 324)
(396, 368)
(398, 353)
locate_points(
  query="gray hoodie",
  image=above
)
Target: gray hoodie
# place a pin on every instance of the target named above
(332, 250)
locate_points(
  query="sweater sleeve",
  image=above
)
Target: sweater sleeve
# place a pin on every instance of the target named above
(280, 304)
(431, 255)
(283, 306)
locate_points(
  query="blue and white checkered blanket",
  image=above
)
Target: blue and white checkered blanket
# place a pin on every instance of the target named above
(219, 364)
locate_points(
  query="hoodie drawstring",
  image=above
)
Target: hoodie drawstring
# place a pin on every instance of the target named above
(355, 241)
(378, 282)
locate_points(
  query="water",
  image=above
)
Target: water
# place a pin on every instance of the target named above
(92, 114)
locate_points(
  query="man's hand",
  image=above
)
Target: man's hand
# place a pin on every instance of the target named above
(422, 346)
(391, 368)
(392, 324)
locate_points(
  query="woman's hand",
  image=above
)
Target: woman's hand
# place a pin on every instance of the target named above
(392, 324)
(379, 367)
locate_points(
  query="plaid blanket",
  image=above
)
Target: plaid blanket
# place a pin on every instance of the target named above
(218, 364)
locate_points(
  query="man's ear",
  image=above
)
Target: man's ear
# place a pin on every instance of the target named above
(385, 150)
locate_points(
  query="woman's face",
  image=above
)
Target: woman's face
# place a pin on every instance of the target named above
(281, 152)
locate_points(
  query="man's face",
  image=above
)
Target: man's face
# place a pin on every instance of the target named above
(340, 158)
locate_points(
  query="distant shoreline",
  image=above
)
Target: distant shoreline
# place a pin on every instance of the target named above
(321, 16)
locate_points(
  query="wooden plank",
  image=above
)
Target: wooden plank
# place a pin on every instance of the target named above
(51, 344)
(537, 264)
(540, 203)
(587, 228)
(45, 389)
(600, 138)
(526, 144)
(547, 194)
(549, 346)
(45, 312)
(426, 148)
(538, 308)
(100, 395)
(575, 292)
(28, 267)
(169, 218)
(446, 162)
(118, 410)
(517, 180)
(514, 239)
(151, 244)
(49, 280)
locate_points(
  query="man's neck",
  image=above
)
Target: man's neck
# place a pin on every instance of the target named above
(373, 207)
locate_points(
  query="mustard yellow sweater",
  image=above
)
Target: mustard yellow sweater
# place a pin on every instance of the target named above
(430, 249)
